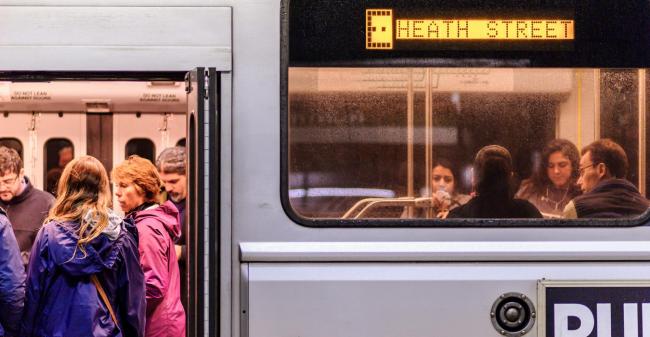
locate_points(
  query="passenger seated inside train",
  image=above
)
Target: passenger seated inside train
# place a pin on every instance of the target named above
(493, 185)
(444, 193)
(607, 194)
(553, 182)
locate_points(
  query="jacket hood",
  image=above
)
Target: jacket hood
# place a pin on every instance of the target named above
(101, 253)
(167, 214)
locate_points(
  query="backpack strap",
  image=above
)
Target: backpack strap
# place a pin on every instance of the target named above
(102, 295)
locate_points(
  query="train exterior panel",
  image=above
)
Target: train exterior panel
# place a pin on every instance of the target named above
(264, 266)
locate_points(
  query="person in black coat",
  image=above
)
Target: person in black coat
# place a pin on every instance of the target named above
(493, 184)
(607, 194)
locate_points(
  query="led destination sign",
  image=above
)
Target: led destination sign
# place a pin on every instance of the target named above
(383, 31)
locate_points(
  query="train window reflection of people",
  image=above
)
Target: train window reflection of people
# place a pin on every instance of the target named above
(444, 193)
(493, 179)
(65, 154)
(607, 194)
(137, 187)
(553, 183)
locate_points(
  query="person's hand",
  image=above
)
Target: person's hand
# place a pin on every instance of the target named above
(441, 200)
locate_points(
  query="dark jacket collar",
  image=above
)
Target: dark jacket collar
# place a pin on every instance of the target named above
(24, 195)
(611, 198)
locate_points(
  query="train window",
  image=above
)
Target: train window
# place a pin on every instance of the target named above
(13, 143)
(400, 143)
(143, 147)
(58, 152)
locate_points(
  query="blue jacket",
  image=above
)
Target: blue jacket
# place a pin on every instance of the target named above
(61, 300)
(12, 280)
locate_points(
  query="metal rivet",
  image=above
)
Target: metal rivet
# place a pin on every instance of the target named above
(503, 332)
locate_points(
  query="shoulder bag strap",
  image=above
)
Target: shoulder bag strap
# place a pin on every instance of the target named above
(102, 295)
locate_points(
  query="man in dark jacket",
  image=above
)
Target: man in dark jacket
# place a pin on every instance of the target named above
(171, 166)
(26, 206)
(12, 280)
(606, 193)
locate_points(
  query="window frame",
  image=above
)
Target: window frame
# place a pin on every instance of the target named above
(457, 59)
(126, 155)
(22, 147)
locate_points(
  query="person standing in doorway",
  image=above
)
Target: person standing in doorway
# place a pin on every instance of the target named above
(84, 276)
(26, 206)
(171, 165)
(137, 187)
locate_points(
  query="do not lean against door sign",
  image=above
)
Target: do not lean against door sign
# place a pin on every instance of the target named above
(593, 308)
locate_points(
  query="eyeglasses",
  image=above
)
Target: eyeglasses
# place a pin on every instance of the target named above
(8, 181)
(581, 170)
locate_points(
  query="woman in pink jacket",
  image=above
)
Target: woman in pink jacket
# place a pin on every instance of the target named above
(137, 187)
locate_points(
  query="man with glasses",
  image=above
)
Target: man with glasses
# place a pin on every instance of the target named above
(606, 193)
(26, 206)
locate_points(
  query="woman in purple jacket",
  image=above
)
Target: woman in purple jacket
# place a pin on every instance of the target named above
(137, 187)
(12, 280)
(84, 276)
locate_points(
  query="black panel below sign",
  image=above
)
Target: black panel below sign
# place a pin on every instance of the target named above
(334, 33)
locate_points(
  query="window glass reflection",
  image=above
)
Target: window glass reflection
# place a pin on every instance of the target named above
(13, 143)
(143, 147)
(371, 143)
(58, 152)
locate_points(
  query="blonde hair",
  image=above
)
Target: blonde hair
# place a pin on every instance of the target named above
(142, 174)
(83, 187)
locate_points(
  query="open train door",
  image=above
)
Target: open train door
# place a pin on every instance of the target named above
(203, 208)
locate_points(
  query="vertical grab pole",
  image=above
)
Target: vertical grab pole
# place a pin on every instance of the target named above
(33, 147)
(409, 139)
(642, 131)
(428, 134)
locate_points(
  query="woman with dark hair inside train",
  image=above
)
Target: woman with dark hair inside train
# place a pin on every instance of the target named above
(444, 188)
(553, 183)
(493, 184)
(137, 187)
(84, 276)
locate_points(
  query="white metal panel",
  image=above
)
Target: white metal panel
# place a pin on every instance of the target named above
(387, 300)
(113, 26)
(104, 3)
(114, 38)
(127, 126)
(445, 251)
(119, 96)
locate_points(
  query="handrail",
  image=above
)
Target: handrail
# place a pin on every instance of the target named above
(369, 204)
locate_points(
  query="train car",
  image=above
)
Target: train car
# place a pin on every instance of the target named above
(313, 128)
